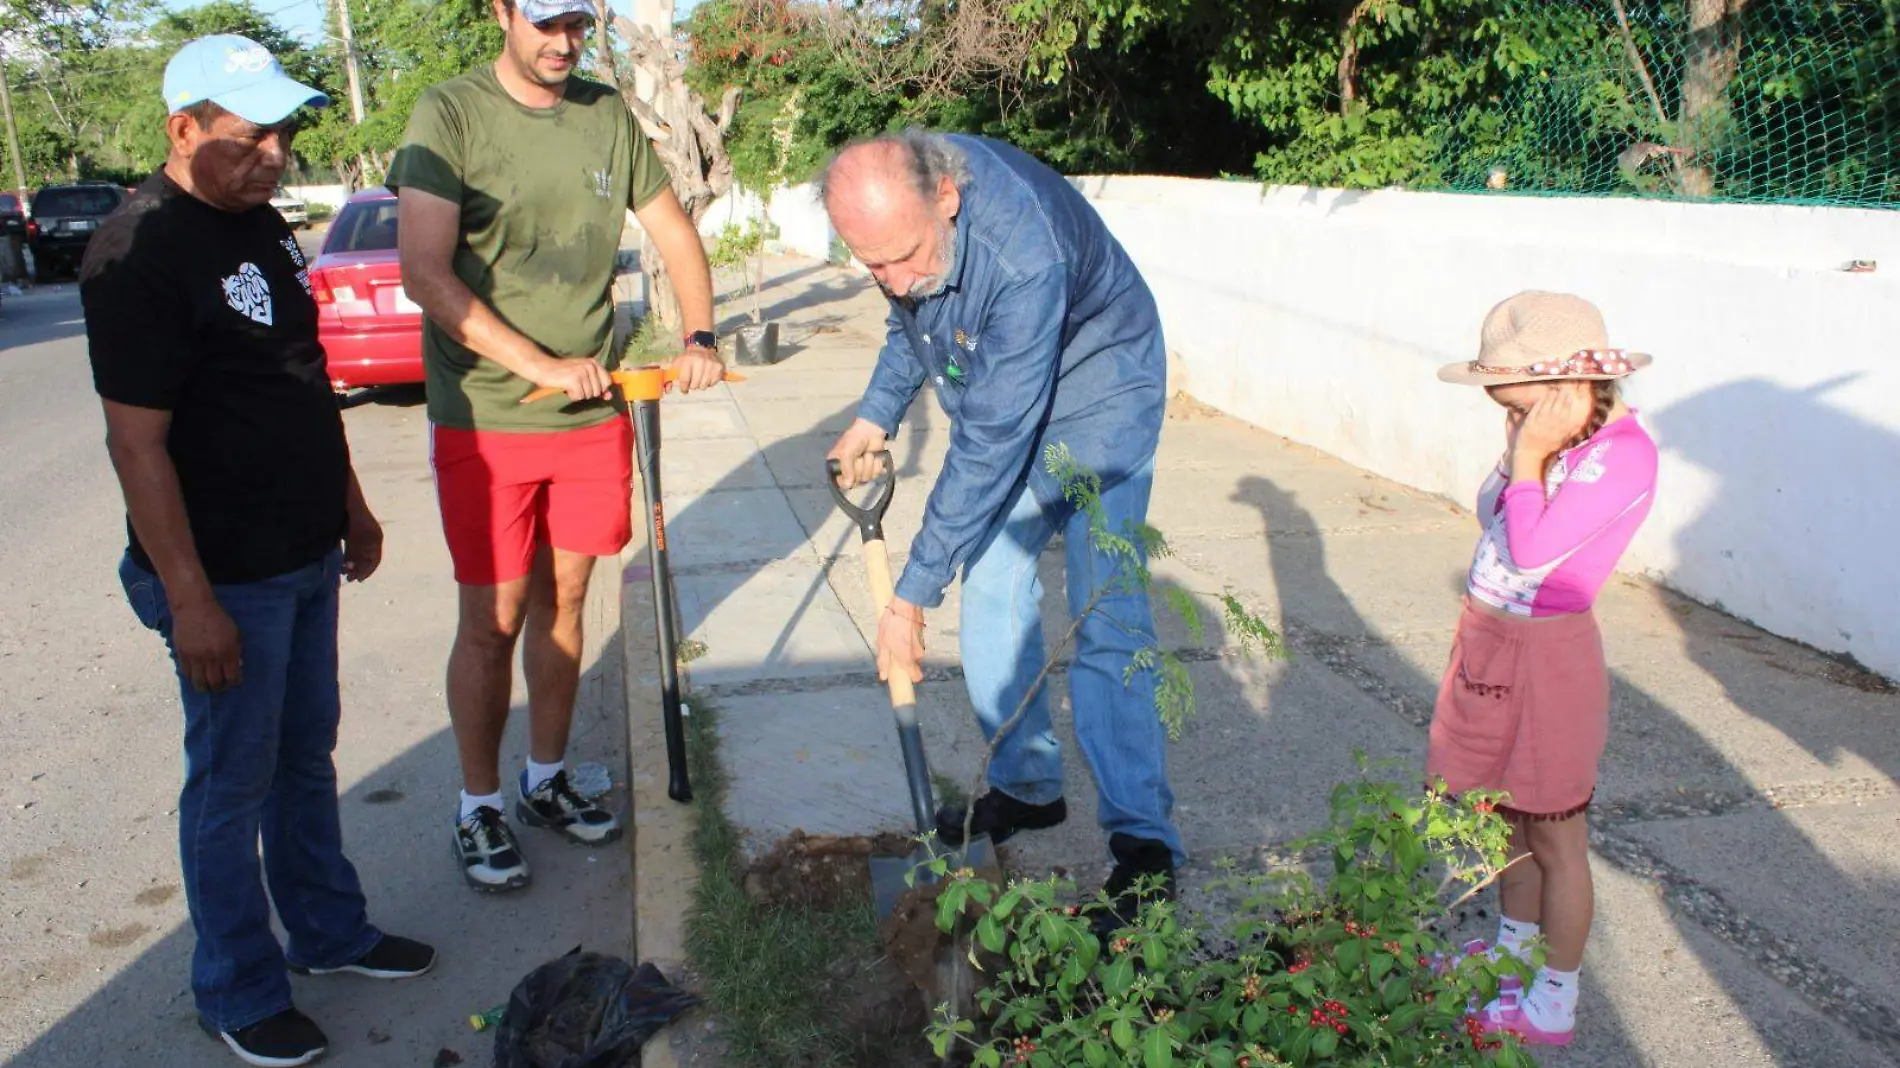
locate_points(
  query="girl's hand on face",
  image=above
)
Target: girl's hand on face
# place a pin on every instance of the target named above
(1552, 421)
(1513, 419)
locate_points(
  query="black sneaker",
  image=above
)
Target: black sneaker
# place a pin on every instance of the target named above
(1134, 858)
(491, 858)
(392, 957)
(285, 1040)
(555, 806)
(999, 816)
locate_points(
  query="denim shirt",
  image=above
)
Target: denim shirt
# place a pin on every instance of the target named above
(1044, 334)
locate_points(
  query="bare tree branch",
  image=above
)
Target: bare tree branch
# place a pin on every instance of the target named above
(930, 48)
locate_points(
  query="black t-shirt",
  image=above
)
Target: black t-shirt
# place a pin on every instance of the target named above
(208, 314)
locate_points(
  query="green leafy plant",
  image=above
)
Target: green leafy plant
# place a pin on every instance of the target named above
(744, 248)
(1352, 970)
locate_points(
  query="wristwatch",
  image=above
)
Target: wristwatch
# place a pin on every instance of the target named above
(703, 339)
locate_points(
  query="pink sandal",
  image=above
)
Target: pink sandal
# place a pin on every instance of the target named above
(1506, 1016)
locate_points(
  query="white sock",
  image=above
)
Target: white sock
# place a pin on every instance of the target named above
(540, 773)
(1512, 937)
(1552, 1001)
(471, 803)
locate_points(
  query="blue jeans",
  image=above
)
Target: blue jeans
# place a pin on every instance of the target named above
(257, 762)
(1116, 721)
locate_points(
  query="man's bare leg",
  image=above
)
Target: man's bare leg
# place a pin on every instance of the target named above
(551, 657)
(481, 677)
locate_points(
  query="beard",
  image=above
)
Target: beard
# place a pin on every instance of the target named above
(926, 288)
(531, 69)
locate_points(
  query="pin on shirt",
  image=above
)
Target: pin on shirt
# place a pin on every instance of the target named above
(955, 369)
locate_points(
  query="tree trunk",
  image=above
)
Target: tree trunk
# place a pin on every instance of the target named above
(689, 141)
(603, 44)
(1349, 54)
(758, 281)
(1712, 53)
(663, 304)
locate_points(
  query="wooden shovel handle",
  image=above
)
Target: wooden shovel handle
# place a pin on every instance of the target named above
(877, 564)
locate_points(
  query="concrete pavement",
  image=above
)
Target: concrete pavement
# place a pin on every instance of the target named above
(1746, 833)
(94, 944)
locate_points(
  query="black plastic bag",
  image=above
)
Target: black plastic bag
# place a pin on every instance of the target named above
(585, 1010)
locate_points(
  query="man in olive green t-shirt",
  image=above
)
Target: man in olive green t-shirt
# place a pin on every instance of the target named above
(513, 182)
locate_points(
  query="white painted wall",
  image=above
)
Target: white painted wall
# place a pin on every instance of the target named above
(332, 195)
(1323, 315)
(803, 227)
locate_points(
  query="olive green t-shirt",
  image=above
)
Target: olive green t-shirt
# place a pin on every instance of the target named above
(544, 194)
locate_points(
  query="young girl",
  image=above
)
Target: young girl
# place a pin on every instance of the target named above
(1524, 705)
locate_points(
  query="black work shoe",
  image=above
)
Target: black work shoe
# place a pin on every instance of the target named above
(491, 858)
(392, 957)
(556, 806)
(999, 816)
(1134, 859)
(285, 1040)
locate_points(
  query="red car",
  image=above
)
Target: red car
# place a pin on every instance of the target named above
(370, 329)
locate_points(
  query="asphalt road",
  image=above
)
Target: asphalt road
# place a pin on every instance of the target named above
(94, 941)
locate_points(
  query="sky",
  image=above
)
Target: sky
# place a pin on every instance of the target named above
(303, 19)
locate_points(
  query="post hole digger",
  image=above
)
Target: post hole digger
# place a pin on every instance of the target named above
(891, 876)
(643, 387)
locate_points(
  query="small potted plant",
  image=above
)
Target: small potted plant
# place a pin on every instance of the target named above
(757, 341)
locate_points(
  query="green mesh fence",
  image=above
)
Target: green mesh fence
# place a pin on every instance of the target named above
(1787, 101)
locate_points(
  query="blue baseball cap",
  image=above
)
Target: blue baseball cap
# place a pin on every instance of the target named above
(240, 76)
(549, 10)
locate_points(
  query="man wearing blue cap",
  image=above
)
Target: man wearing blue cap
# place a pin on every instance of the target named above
(514, 181)
(243, 516)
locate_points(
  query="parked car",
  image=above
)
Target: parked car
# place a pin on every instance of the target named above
(370, 329)
(295, 212)
(12, 239)
(12, 216)
(64, 218)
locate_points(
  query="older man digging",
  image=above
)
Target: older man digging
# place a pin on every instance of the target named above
(1034, 328)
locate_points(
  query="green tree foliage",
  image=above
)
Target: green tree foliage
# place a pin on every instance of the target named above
(1139, 106)
(69, 77)
(86, 76)
(1741, 99)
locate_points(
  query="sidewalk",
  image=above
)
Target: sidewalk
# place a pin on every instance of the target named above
(1747, 850)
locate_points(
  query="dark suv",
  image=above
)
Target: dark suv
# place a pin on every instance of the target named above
(64, 220)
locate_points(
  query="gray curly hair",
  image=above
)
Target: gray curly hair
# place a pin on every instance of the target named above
(929, 157)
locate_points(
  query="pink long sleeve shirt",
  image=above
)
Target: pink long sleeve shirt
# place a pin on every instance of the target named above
(1548, 553)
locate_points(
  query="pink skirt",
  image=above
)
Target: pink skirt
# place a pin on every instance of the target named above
(1524, 708)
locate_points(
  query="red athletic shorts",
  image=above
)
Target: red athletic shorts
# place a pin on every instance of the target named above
(503, 493)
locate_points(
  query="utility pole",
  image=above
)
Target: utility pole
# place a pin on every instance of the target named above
(349, 62)
(13, 135)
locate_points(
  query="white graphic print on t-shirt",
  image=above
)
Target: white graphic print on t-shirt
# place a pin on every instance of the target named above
(248, 293)
(296, 257)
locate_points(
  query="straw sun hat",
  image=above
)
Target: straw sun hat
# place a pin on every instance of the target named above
(1537, 337)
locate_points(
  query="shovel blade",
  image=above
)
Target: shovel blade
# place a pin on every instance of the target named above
(892, 877)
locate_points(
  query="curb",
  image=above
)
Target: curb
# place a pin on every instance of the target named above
(665, 872)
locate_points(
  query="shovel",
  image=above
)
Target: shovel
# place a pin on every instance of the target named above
(643, 387)
(892, 876)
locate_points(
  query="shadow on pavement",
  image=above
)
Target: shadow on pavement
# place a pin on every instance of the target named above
(1643, 815)
(397, 834)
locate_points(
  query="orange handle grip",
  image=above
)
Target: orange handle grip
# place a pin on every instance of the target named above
(636, 384)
